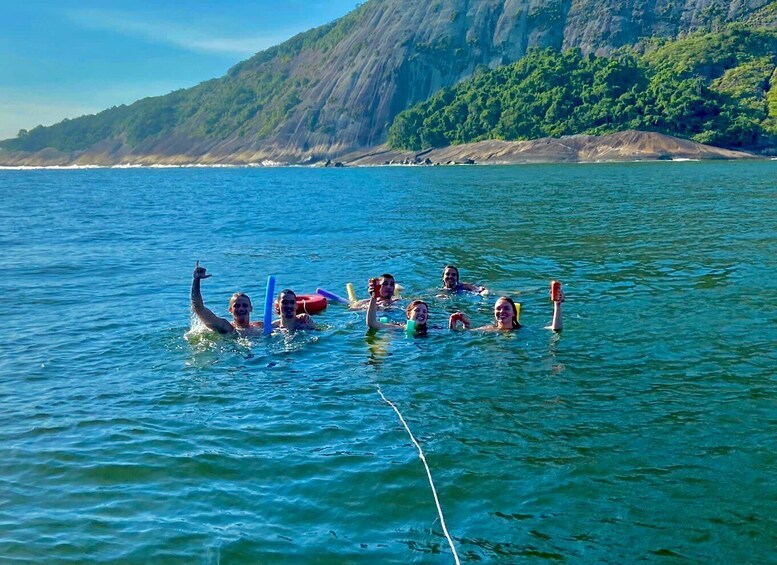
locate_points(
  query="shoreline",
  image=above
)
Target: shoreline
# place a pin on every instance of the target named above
(627, 146)
(360, 166)
(364, 165)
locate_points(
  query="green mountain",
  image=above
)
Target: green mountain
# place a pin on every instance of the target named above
(715, 88)
(337, 88)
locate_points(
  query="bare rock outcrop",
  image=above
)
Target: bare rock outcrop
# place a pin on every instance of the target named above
(623, 146)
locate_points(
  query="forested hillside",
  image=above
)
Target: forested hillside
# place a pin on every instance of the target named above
(715, 88)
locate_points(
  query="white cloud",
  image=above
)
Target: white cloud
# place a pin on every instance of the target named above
(185, 37)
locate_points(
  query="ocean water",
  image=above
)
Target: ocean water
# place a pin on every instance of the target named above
(645, 432)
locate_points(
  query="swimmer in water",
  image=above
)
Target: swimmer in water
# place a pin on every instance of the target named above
(506, 317)
(417, 311)
(450, 281)
(239, 306)
(290, 320)
(385, 292)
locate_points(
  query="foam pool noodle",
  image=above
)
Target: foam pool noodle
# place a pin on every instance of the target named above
(518, 312)
(268, 299)
(410, 328)
(331, 296)
(351, 293)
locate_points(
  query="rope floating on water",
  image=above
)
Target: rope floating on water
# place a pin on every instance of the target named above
(428, 474)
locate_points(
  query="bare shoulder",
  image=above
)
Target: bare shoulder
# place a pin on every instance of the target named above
(359, 304)
(222, 326)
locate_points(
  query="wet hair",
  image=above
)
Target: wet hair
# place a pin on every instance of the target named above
(516, 325)
(286, 291)
(239, 295)
(454, 267)
(412, 305)
(422, 327)
(277, 302)
(383, 277)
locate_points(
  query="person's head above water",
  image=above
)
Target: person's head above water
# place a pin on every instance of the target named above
(240, 307)
(450, 277)
(386, 286)
(418, 310)
(287, 303)
(506, 314)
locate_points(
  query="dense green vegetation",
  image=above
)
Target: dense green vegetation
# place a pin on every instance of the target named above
(715, 88)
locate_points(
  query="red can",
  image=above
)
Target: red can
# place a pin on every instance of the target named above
(376, 287)
(555, 291)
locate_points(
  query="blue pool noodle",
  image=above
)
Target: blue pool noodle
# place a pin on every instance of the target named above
(268, 298)
(331, 296)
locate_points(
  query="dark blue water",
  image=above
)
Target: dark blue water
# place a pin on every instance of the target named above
(644, 432)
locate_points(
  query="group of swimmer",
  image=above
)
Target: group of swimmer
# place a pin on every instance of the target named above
(381, 292)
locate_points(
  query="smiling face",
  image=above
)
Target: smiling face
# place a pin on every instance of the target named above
(418, 311)
(450, 277)
(240, 308)
(386, 288)
(504, 313)
(287, 301)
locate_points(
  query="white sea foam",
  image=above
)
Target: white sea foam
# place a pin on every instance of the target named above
(51, 168)
(142, 166)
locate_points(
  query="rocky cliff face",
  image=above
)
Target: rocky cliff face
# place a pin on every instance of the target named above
(598, 26)
(336, 89)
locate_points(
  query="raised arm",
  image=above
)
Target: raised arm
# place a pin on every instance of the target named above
(211, 321)
(558, 321)
(472, 287)
(372, 310)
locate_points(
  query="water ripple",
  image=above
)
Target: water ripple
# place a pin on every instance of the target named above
(643, 432)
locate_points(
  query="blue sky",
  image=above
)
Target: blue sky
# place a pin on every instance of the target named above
(62, 58)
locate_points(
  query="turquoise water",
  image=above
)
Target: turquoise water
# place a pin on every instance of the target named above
(644, 432)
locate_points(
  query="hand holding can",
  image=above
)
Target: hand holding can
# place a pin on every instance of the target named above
(374, 288)
(555, 291)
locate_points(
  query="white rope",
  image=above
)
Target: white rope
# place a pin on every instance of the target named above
(428, 474)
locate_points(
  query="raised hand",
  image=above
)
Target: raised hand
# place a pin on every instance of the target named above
(373, 288)
(556, 294)
(200, 272)
(458, 317)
